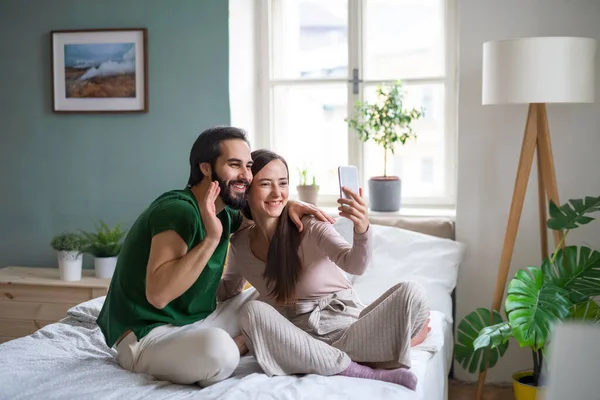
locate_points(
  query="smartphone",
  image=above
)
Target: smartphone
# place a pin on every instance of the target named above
(348, 177)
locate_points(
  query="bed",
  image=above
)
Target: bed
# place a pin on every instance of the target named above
(69, 359)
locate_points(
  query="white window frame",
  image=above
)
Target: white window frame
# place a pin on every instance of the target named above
(263, 106)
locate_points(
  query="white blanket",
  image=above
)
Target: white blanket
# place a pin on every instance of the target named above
(70, 359)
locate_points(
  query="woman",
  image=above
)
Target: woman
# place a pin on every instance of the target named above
(308, 319)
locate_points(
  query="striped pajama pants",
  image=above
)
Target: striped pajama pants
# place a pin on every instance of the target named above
(323, 336)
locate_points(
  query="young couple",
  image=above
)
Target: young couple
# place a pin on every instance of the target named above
(161, 312)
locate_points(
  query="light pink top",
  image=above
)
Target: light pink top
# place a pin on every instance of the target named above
(323, 251)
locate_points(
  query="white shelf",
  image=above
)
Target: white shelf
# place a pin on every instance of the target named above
(404, 212)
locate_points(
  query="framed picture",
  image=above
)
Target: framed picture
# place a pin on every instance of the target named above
(99, 71)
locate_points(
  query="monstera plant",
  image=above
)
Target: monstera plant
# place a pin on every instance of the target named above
(563, 287)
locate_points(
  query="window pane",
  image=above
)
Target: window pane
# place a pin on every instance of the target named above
(310, 38)
(420, 163)
(310, 132)
(403, 39)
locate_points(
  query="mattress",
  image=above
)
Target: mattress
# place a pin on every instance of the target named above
(69, 359)
(438, 367)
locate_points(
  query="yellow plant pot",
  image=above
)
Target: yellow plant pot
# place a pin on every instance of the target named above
(524, 391)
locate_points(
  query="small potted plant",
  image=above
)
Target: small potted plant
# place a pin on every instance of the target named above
(307, 192)
(104, 245)
(69, 247)
(387, 123)
(565, 287)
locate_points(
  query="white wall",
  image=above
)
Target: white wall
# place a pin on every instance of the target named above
(489, 145)
(243, 51)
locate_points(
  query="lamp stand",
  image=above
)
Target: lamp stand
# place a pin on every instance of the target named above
(537, 137)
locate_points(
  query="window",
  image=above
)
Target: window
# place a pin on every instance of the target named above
(316, 58)
(427, 170)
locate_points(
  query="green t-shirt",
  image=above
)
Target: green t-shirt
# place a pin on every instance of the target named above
(126, 306)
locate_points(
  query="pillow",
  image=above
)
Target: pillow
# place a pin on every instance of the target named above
(87, 311)
(401, 255)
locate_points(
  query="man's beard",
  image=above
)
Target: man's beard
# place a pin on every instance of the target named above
(237, 201)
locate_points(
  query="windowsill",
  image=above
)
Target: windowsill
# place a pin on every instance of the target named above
(408, 212)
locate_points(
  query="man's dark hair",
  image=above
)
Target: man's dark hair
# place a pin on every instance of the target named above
(207, 148)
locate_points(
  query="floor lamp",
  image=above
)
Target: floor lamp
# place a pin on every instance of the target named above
(534, 71)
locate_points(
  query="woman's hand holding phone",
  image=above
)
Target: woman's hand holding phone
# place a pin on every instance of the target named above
(355, 209)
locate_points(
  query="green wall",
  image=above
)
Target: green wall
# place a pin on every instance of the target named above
(61, 172)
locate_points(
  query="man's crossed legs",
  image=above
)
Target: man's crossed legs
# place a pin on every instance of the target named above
(203, 352)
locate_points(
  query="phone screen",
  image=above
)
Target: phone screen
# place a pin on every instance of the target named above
(348, 176)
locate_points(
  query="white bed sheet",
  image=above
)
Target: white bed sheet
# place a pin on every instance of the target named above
(69, 359)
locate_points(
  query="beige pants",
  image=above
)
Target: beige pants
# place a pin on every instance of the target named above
(323, 335)
(203, 352)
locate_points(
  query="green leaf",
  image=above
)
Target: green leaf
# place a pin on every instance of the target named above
(573, 214)
(493, 336)
(588, 311)
(385, 121)
(105, 242)
(472, 359)
(68, 241)
(579, 273)
(533, 306)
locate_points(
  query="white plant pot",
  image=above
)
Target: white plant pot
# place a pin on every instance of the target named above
(105, 266)
(70, 265)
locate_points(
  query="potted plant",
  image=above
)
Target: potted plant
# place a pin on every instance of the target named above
(307, 193)
(387, 123)
(69, 247)
(105, 246)
(563, 287)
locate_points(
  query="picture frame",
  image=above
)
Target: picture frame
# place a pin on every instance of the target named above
(99, 70)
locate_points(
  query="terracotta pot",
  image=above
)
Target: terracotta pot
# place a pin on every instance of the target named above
(308, 193)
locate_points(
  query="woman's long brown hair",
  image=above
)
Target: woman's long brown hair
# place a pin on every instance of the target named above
(283, 266)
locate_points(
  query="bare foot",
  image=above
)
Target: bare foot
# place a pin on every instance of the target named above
(241, 344)
(421, 335)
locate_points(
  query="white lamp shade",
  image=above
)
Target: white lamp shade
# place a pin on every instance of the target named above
(539, 70)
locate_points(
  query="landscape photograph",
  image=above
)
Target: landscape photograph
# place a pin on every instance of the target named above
(100, 70)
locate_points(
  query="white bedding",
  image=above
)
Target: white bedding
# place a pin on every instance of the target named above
(69, 359)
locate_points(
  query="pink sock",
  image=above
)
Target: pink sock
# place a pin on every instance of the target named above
(399, 376)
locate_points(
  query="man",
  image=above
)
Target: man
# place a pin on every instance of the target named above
(161, 310)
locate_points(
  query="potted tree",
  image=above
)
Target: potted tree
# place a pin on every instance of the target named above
(307, 192)
(387, 123)
(563, 287)
(104, 245)
(69, 247)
